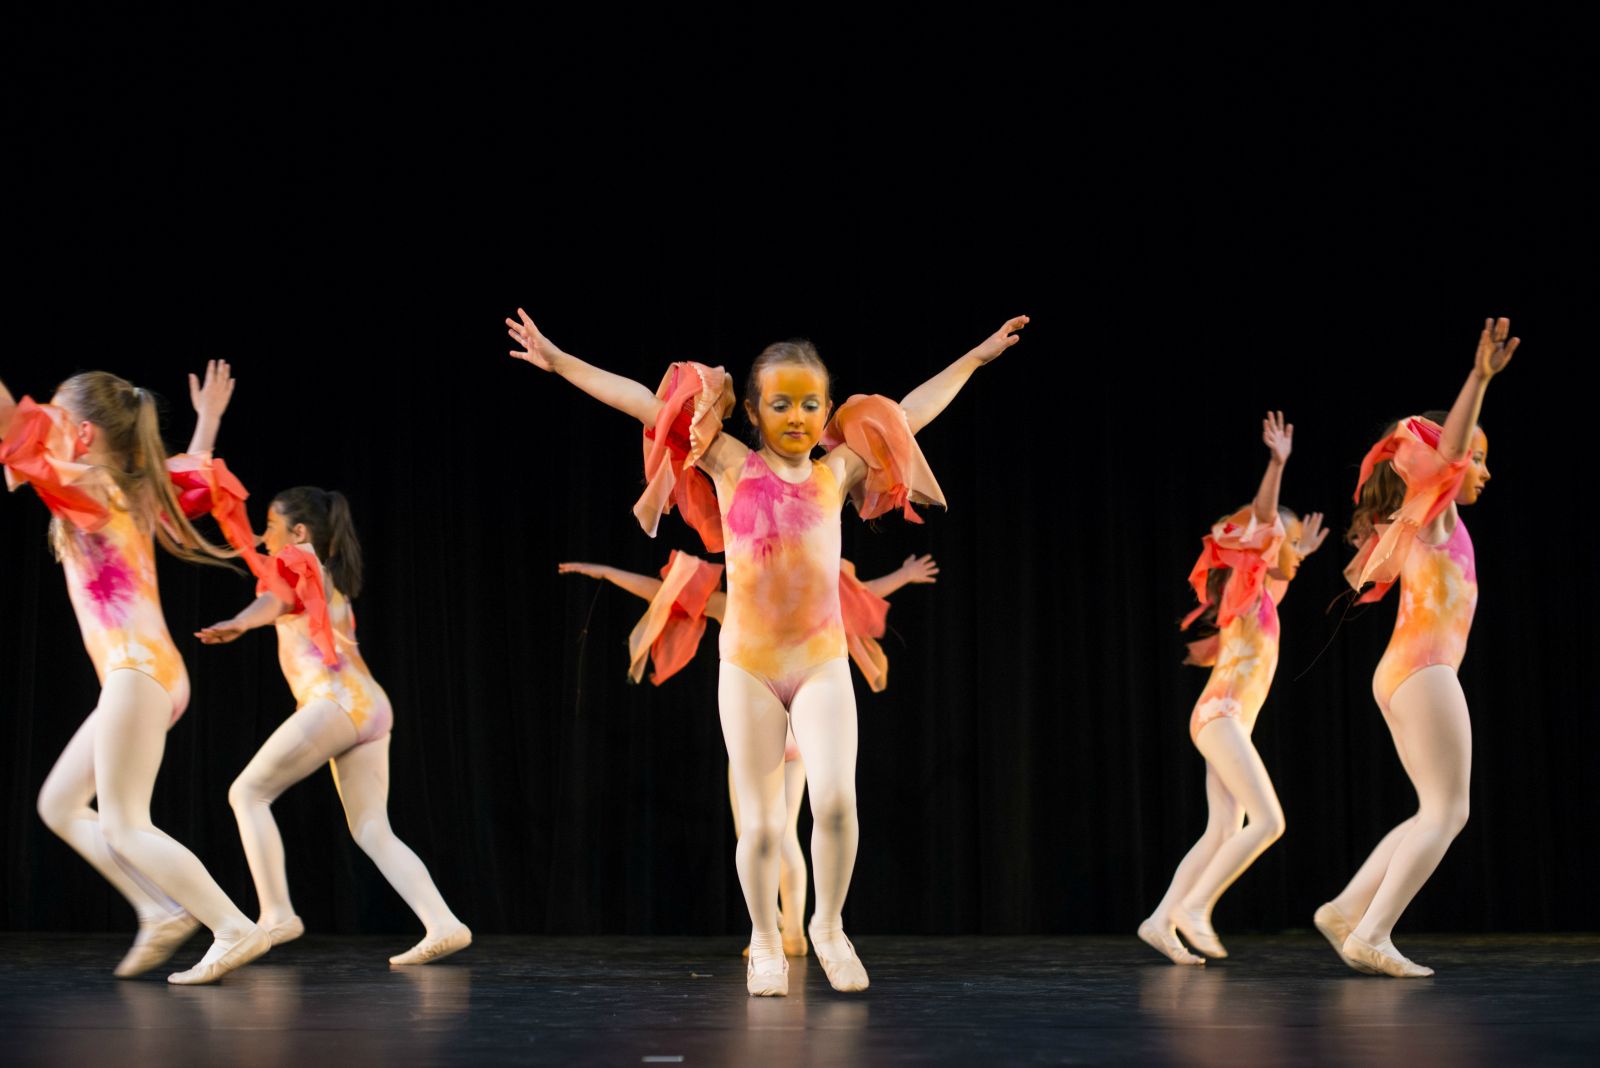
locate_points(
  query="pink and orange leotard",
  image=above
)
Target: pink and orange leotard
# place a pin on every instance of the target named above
(1438, 583)
(782, 540)
(317, 646)
(1243, 654)
(107, 558)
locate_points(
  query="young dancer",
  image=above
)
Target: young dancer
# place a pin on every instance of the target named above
(342, 716)
(95, 457)
(1243, 571)
(782, 643)
(681, 601)
(1408, 529)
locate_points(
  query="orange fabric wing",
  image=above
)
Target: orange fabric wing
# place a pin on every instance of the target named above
(37, 451)
(875, 429)
(695, 399)
(1431, 484)
(294, 577)
(669, 633)
(865, 619)
(1249, 548)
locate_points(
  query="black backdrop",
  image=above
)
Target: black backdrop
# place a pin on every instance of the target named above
(348, 213)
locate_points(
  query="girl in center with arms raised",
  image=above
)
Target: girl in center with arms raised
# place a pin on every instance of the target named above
(783, 644)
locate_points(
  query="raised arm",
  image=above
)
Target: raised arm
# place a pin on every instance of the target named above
(1494, 352)
(915, 569)
(923, 404)
(1279, 439)
(8, 408)
(210, 399)
(623, 394)
(644, 586)
(261, 612)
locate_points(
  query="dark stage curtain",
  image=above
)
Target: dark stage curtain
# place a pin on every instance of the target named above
(1029, 767)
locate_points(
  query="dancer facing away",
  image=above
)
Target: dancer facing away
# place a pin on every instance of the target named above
(95, 457)
(342, 716)
(782, 642)
(1243, 571)
(1408, 529)
(669, 634)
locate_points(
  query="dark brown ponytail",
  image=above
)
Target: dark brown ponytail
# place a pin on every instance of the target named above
(326, 515)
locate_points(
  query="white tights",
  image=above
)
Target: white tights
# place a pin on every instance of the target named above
(791, 858)
(754, 726)
(1237, 786)
(113, 759)
(1432, 732)
(316, 734)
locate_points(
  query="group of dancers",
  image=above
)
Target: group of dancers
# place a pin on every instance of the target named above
(792, 617)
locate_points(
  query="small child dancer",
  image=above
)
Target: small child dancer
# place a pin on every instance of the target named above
(1241, 576)
(95, 457)
(669, 634)
(1408, 529)
(342, 718)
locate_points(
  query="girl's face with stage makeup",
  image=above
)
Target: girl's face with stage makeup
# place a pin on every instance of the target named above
(1478, 471)
(794, 409)
(1288, 553)
(280, 533)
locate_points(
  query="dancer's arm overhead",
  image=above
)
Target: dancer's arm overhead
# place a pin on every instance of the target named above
(923, 404)
(915, 569)
(1278, 437)
(1494, 352)
(210, 399)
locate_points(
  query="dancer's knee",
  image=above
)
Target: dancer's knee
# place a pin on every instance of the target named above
(1449, 816)
(1270, 823)
(763, 837)
(371, 833)
(56, 812)
(834, 813)
(244, 792)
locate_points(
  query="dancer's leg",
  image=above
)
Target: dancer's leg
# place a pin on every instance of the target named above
(792, 868)
(301, 745)
(1227, 748)
(1353, 900)
(1428, 715)
(64, 806)
(754, 725)
(1224, 817)
(823, 712)
(362, 777)
(128, 744)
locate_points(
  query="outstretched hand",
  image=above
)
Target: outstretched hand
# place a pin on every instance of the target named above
(220, 633)
(1494, 350)
(1278, 436)
(1000, 340)
(592, 570)
(210, 399)
(1312, 535)
(536, 348)
(920, 568)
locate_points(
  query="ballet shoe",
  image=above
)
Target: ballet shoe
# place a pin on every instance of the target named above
(431, 949)
(770, 981)
(1166, 943)
(845, 974)
(155, 944)
(1384, 958)
(1206, 943)
(287, 931)
(242, 952)
(1335, 928)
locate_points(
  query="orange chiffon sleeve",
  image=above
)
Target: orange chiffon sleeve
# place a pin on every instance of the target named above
(671, 628)
(865, 619)
(206, 487)
(294, 577)
(1431, 484)
(695, 399)
(37, 451)
(875, 428)
(1249, 548)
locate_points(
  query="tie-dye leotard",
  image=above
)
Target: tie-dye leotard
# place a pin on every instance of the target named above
(782, 540)
(317, 641)
(108, 560)
(1438, 583)
(1243, 654)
